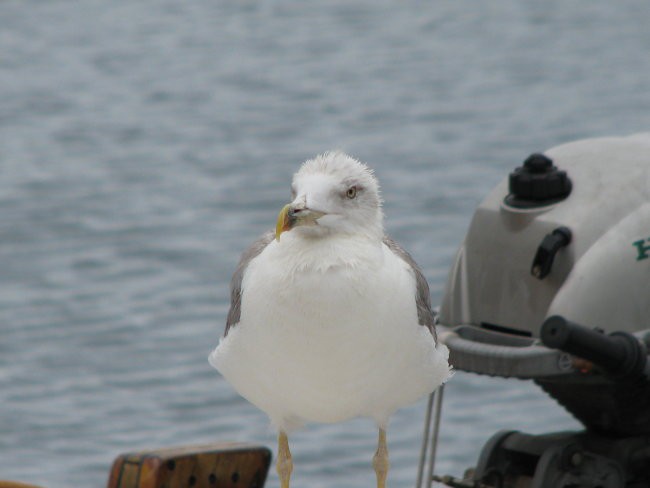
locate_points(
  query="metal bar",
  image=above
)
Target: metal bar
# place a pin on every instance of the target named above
(434, 436)
(425, 441)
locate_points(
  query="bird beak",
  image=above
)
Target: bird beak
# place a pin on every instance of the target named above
(293, 215)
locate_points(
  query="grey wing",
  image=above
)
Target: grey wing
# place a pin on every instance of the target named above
(235, 283)
(426, 317)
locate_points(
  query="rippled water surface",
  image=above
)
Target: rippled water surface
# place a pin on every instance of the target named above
(143, 145)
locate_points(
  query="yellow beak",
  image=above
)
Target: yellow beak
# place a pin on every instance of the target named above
(284, 221)
(293, 215)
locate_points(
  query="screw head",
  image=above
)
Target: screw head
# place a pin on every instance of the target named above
(576, 459)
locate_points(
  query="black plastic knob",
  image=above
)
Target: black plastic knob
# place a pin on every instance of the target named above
(538, 182)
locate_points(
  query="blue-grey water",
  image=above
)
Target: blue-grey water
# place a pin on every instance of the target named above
(143, 145)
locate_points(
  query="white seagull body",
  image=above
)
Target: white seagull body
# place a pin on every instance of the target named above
(333, 320)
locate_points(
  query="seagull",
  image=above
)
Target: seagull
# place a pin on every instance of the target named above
(329, 318)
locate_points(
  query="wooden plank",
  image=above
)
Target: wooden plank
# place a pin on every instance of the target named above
(228, 465)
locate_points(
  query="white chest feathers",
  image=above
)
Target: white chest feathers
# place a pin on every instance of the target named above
(329, 331)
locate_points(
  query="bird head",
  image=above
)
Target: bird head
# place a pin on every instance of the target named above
(333, 194)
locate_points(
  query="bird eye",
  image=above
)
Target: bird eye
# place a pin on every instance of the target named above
(352, 192)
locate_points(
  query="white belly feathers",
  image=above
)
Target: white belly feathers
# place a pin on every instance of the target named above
(329, 333)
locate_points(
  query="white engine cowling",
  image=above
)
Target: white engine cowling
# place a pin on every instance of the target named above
(601, 278)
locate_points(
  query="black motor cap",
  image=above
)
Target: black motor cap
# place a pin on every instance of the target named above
(537, 183)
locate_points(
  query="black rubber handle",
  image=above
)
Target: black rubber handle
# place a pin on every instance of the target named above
(619, 353)
(545, 255)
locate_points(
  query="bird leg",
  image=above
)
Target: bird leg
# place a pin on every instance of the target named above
(380, 460)
(284, 464)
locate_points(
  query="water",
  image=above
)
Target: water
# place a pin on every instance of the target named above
(145, 144)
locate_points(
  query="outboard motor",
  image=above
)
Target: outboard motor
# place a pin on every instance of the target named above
(552, 284)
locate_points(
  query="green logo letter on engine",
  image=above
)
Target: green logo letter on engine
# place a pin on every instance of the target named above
(643, 249)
